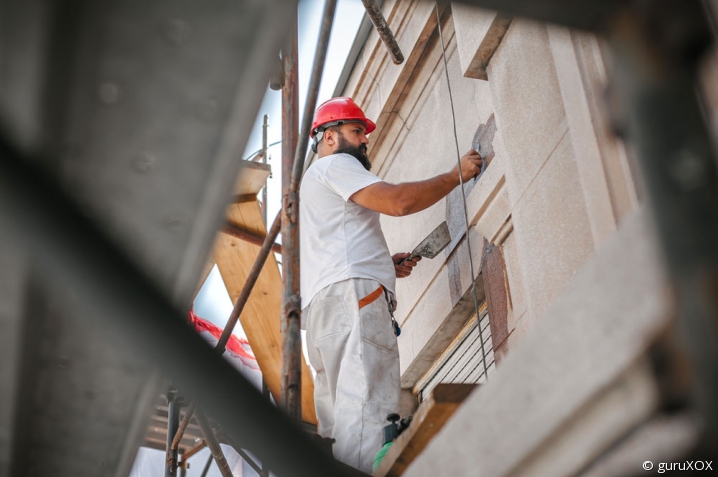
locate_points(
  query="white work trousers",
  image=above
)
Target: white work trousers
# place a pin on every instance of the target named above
(355, 355)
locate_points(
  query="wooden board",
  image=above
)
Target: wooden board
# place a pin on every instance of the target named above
(251, 178)
(261, 316)
(431, 416)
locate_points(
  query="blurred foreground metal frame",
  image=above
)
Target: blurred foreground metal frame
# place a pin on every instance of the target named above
(656, 48)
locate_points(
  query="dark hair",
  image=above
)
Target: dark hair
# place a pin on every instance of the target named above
(335, 129)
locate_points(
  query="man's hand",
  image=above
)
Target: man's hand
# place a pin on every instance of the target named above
(404, 270)
(470, 166)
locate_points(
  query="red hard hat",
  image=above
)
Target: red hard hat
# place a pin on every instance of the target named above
(340, 110)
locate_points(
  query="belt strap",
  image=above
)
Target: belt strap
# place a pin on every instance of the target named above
(371, 297)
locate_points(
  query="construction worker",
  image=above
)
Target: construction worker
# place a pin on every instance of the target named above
(348, 278)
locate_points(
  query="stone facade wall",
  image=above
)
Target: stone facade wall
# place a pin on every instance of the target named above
(557, 186)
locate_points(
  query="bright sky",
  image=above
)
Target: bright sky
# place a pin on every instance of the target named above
(213, 302)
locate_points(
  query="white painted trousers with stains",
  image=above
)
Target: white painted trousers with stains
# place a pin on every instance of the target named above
(355, 354)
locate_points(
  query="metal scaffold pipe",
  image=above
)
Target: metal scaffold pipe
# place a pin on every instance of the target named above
(182, 427)
(193, 451)
(247, 236)
(249, 283)
(265, 125)
(385, 33)
(291, 336)
(213, 443)
(173, 412)
(246, 457)
(290, 399)
(206, 466)
(311, 103)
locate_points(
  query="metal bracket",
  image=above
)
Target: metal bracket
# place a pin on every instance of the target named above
(293, 305)
(171, 394)
(290, 203)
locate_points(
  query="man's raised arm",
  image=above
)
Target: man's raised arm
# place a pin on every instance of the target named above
(410, 197)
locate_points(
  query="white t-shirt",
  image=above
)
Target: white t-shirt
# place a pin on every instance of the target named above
(339, 239)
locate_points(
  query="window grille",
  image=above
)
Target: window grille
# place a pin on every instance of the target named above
(462, 361)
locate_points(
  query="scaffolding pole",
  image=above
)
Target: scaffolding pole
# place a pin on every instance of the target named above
(265, 125)
(265, 392)
(183, 464)
(182, 427)
(291, 337)
(252, 277)
(249, 237)
(193, 451)
(213, 443)
(247, 458)
(385, 33)
(173, 413)
(291, 393)
(206, 466)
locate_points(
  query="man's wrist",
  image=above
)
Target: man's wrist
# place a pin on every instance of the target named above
(453, 178)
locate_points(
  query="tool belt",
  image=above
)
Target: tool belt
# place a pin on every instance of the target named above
(391, 303)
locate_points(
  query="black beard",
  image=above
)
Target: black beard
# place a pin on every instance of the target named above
(357, 152)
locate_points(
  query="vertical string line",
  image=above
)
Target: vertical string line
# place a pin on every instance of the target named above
(463, 195)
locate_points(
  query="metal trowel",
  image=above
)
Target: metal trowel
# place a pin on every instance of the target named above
(433, 244)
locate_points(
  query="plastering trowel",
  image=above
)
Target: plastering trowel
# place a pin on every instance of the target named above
(434, 243)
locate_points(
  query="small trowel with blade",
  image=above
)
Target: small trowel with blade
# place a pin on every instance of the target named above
(433, 244)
